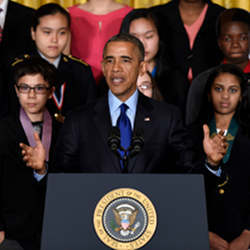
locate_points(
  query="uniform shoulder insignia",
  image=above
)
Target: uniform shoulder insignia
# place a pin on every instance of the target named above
(18, 60)
(78, 60)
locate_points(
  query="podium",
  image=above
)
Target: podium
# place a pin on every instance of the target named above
(75, 202)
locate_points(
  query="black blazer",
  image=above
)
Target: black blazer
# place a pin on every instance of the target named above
(21, 196)
(205, 53)
(228, 214)
(3, 97)
(83, 147)
(16, 33)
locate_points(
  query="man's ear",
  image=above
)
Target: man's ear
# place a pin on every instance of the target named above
(102, 65)
(143, 68)
(32, 33)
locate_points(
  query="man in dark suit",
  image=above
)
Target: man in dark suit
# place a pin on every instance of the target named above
(83, 143)
(16, 29)
(3, 97)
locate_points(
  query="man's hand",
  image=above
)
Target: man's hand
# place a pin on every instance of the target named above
(2, 236)
(242, 242)
(215, 148)
(217, 243)
(35, 156)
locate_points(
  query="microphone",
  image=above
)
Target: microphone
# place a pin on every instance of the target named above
(114, 140)
(137, 143)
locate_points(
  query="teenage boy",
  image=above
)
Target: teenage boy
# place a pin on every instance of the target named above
(234, 36)
(22, 192)
(75, 85)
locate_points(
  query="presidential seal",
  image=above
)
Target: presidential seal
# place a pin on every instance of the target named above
(125, 219)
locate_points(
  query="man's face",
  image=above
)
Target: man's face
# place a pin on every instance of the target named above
(234, 42)
(51, 35)
(121, 67)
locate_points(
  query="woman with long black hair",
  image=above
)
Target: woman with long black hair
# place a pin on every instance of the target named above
(143, 24)
(224, 108)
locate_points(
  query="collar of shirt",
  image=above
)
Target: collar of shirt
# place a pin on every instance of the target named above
(3, 13)
(114, 107)
(55, 63)
(247, 68)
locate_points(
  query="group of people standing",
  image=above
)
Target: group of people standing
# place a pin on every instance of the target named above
(176, 76)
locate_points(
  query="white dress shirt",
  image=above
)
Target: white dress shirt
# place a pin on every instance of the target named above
(3, 13)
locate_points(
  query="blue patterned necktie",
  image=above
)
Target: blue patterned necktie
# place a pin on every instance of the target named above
(123, 123)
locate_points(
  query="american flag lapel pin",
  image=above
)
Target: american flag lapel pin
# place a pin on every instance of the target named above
(147, 119)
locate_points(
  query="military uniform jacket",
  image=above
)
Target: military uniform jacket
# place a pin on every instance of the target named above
(74, 76)
(80, 86)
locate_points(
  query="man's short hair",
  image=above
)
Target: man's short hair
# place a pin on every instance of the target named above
(124, 37)
(33, 66)
(49, 9)
(232, 15)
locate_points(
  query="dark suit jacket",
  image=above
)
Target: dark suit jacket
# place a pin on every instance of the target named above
(229, 214)
(83, 147)
(16, 33)
(80, 84)
(205, 53)
(21, 196)
(3, 97)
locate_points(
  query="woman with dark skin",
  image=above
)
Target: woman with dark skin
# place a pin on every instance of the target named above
(225, 109)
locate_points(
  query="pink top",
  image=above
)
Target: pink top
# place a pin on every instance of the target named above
(90, 32)
(192, 31)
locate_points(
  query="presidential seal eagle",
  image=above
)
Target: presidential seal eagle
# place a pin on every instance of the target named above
(125, 216)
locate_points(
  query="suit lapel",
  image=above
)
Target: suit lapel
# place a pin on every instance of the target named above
(103, 124)
(143, 122)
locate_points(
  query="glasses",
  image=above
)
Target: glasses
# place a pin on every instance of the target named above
(145, 86)
(25, 89)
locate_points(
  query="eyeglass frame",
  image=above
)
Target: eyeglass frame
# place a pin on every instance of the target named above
(32, 88)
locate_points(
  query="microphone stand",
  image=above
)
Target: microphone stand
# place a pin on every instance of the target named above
(137, 143)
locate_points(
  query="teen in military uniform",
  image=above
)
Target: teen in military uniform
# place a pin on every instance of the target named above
(75, 85)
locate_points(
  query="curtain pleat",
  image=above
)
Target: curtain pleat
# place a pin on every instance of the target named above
(245, 4)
